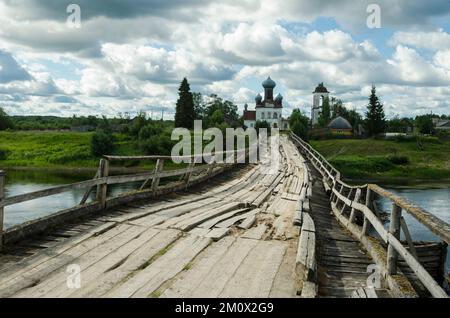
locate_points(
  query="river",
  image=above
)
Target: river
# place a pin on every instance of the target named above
(435, 200)
(21, 181)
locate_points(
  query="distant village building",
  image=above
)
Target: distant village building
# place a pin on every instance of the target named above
(340, 127)
(319, 94)
(268, 109)
(441, 124)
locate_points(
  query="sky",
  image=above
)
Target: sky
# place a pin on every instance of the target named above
(130, 56)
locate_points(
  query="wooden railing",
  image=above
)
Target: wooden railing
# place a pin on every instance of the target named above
(350, 202)
(102, 179)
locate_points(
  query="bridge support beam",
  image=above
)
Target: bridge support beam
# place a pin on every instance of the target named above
(2, 214)
(394, 229)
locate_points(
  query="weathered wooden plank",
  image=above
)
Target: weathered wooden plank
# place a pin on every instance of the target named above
(188, 283)
(28, 272)
(58, 277)
(145, 282)
(254, 277)
(217, 278)
(210, 223)
(237, 218)
(138, 260)
(217, 233)
(255, 233)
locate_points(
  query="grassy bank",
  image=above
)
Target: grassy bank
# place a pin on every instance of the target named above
(388, 160)
(47, 149)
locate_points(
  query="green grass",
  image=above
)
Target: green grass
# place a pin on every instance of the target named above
(376, 159)
(65, 150)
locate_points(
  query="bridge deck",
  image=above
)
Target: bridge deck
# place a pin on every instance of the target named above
(342, 262)
(230, 238)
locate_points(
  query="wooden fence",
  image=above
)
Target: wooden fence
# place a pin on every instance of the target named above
(150, 187)
(358, 203)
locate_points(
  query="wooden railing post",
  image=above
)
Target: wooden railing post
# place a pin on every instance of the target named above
(103, 188)
(2, 214)
(189, 173)
(366, 224)
(394, 229)
(353, 211)
(158, 169)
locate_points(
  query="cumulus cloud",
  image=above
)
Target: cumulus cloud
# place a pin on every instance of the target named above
(10, 70)
(132, 55)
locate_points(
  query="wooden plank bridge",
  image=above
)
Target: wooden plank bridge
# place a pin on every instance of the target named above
(222, 230)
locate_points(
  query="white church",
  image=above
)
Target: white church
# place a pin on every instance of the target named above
(319, 94)
(267, 109)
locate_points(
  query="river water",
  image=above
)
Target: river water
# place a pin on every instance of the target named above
(435, 200)
(19, 182)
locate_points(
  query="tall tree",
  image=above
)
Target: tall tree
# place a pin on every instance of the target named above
(5, 121)
(375, 118)
(325, 114)
(227, 108)
(338, 108)
(184, 115)
(299, 124)
(199, 105)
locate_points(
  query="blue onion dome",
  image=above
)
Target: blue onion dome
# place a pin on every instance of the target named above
(258, 98)
(269, 83)
(279, 97)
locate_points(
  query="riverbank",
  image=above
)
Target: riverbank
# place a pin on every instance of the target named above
(389, 161)
(65, 151)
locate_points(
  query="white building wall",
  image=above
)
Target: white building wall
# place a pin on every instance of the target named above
(249, 123)
(267, 114)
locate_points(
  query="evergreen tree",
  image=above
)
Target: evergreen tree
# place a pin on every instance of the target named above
(375, 118)
(325, 114)
(184, 115)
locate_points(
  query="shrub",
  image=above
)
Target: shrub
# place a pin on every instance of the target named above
(102, 143)
(398, 159)
(3, 154)
(154, 140)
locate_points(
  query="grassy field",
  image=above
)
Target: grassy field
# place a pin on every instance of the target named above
(46, 149)
(384, 160)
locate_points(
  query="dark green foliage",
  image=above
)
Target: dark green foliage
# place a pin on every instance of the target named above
(262, 124)
(102, 143)
(398, 159)
(154, 139)
(217, 107)
(325, 114)
(3, 154)
(375, 118)
(424, 124)
(5, 121)
(299, 124)
(400, 125)
(184, 116)
(199, 106)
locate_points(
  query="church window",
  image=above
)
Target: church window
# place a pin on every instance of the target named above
(275, 116)
(263, 115)
(269, 114)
